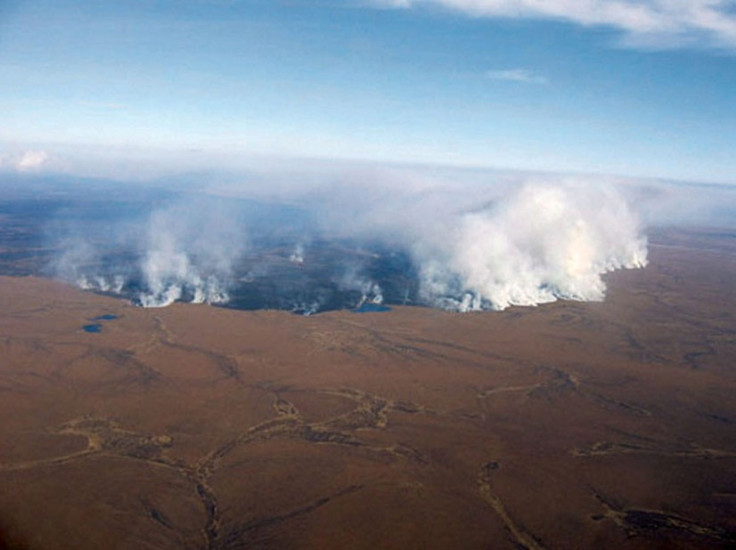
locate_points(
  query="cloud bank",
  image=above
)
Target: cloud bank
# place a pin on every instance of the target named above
(662, 23)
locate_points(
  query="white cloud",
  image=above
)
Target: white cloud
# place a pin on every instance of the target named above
(30, 160)
(665, 23)
(516, 75)
(23, 161)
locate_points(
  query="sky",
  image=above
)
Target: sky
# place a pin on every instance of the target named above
(640, 89)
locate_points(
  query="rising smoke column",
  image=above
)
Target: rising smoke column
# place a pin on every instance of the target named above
(189, 251)
(370, 291)
(185, 251)
(536, 245)
(91, 263)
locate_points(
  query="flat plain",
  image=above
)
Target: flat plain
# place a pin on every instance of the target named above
(569, 425)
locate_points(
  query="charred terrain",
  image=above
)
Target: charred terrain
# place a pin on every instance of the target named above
(568, 425)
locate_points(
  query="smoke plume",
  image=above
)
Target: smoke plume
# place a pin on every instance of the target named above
(189, 254)
(183, 252)
(535, 245)
(371, 236)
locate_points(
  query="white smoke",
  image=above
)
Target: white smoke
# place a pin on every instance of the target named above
(79, 265)
(370, 291)
(536, 245)
(668, 203)
(462, 241)
(183, 252)
(189, 255)
(100, 283)
(297, 256)
(490, 246)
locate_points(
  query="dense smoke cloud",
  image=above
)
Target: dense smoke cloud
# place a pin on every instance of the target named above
(481, 246)
(368, 237)
(184, 251)
(536, 245)
(189, 252)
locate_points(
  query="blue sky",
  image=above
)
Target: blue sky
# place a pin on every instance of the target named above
(642, 88)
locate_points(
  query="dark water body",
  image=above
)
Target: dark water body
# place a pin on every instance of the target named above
(106, 317)
(94, 328)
